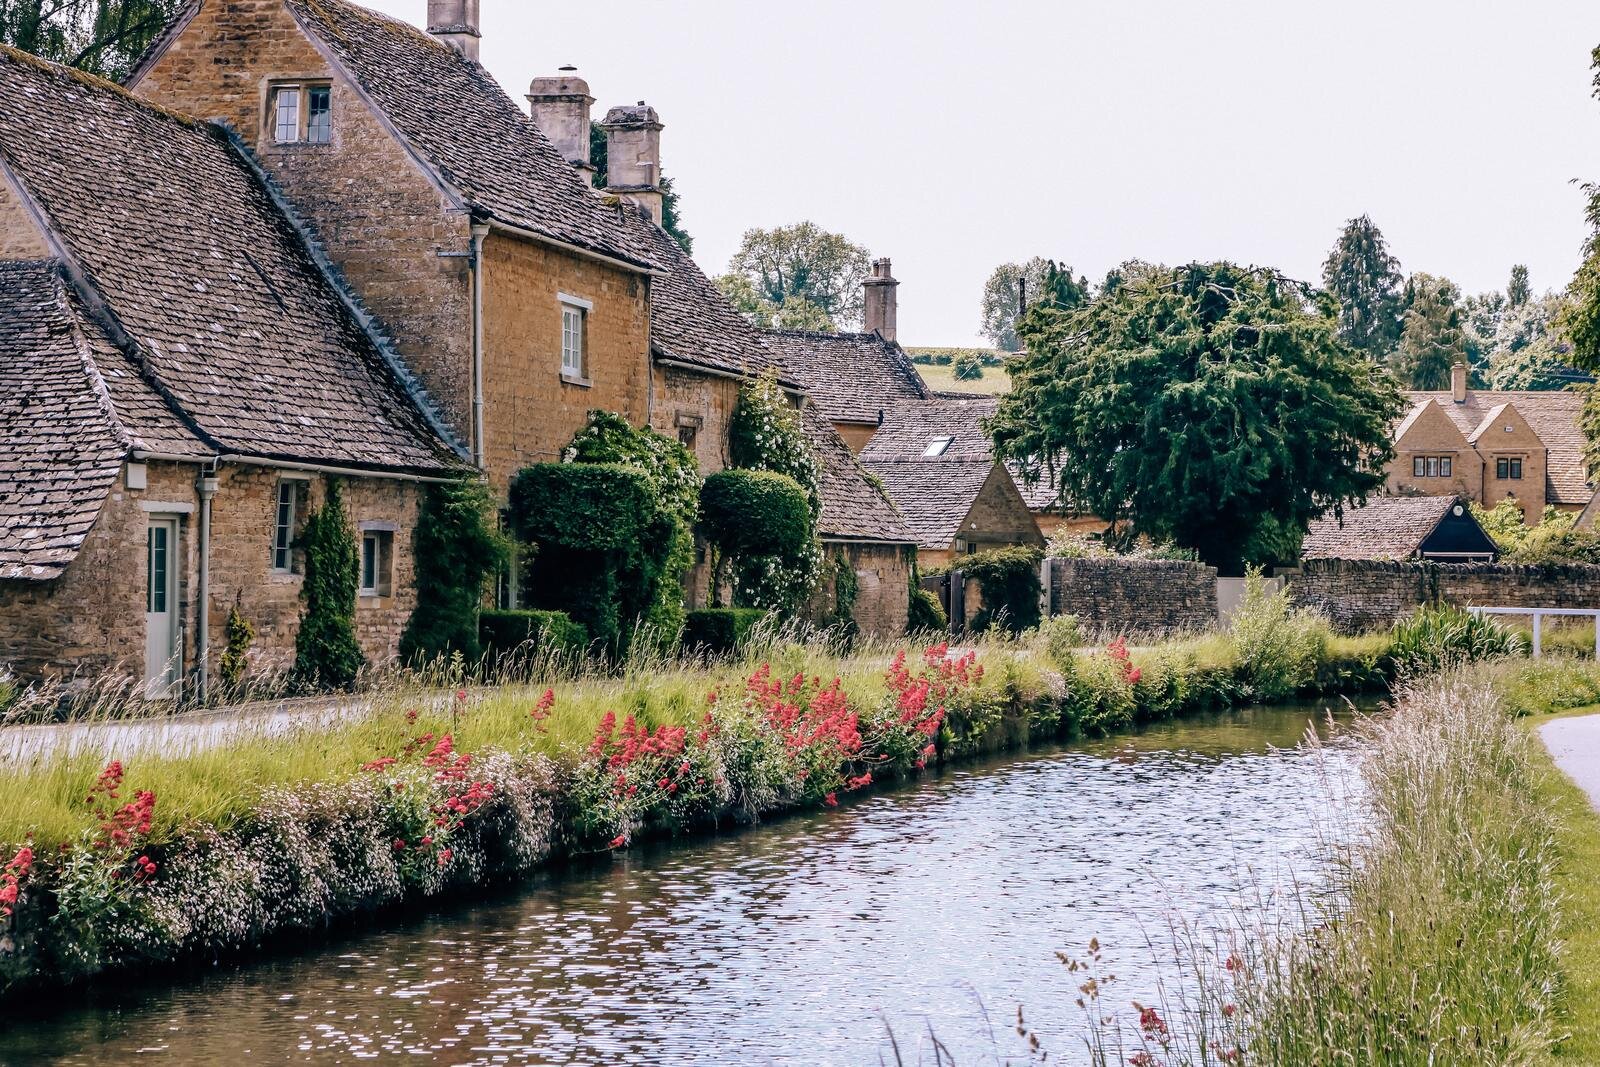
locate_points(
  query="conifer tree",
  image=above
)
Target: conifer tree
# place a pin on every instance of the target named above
(1518, 291)
(1365, 279)
(1432, 339)
(326, 653)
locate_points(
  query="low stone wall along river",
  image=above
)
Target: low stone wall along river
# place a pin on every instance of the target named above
(800, 942)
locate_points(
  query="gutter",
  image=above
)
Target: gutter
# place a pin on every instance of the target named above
(577, 250)
(787, 386)
(291, 465)
(862, 541)
(480, 230)
(208, 489)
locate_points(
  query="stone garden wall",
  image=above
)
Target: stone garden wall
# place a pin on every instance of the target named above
(1134, 595)
(1371, 594)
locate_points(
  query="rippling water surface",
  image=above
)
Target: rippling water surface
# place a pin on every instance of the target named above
(933, 909)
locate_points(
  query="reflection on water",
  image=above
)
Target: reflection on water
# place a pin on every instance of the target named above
(936, 907)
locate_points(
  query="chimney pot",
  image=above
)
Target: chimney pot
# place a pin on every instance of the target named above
(455, 22)
(559, 106)
(633, 155)
(1458, 383)
(881, 301)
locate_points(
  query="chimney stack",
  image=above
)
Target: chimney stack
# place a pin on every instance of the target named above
(560, 107)
(1458, 383)
(881, 300)
(455, 22)
(633, 155)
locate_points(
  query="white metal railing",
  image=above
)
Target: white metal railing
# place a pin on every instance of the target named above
(1538, 621)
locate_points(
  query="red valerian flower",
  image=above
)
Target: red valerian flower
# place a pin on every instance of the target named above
(11, 879)
(541, 710)
(619, 841)
(399, 844)
(832, 800)
(382, 763)
(445, 856)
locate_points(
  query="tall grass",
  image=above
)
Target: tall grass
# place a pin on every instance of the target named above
(1432, 938)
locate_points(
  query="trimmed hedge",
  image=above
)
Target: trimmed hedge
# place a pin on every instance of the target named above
(755, 513)
(590, 507)
(718, 630)
(926, 614)
(507, 633)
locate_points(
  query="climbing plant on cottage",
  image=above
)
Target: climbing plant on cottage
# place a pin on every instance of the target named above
(458, 551)
(765, 434)
(326, 654)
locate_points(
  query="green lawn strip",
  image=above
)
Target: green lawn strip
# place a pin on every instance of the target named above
(1578, 880)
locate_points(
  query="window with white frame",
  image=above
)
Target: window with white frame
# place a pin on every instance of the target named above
(299, 113)
(285, 515)
(937, 446)
(376, 562)
(574, 323)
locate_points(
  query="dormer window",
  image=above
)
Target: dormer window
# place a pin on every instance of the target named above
(300, 113)
(937, 447)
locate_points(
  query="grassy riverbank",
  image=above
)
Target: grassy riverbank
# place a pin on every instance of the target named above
(1457, 922)
(203, 853)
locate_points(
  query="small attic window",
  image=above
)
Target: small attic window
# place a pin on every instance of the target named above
(937, 447)
(300, 113)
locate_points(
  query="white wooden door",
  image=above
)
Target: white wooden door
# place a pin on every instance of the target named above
(161, 666)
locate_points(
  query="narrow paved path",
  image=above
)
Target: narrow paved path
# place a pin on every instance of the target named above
(1575, 746)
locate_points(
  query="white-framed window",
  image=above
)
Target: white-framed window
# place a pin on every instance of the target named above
(286, 514)
(376, 562)
(574, 323)
(938, 446)
(300, 113)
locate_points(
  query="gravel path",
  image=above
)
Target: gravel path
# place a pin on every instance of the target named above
(1575, 746)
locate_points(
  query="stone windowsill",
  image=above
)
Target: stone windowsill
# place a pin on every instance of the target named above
(573, 379)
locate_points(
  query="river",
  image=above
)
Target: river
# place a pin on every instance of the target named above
(932, 909)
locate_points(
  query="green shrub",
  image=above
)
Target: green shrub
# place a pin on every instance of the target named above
(326, 654)
(926, 614)
(588, 507)
(1439, 635)
(719, 630)
(1061, 635)
(968, 367)
(523, 634)
(1279, 649)
(765, 434)
(755, 513)
(458, 551)
(846, 589)
(235, 660)
(1009, 578)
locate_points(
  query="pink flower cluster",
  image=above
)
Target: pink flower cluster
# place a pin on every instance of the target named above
(11, 877)
(1123, 660)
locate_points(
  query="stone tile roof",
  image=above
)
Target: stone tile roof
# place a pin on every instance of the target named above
(933, 497)
(1387, 527)
(853, 508)
(63, 447)
(850, 376)
(195, 273)
(462, 124)
(691, 321)
(1555, 415)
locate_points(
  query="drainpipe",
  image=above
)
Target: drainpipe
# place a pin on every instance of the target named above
(480, 230)
(208, 489)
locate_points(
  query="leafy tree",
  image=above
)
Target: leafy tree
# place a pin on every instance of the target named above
(968, 367)
(1210, 405)
(1530, 351)
(808, 263)
(1517, 290)
(458, 551)
(1365, 279)
(1580, 320)
(1481, 316)
(1432, 339)
(795, 313)
(326, 653)
(671, 212)
(1126, 271)
(103, 37)
(1036, 280)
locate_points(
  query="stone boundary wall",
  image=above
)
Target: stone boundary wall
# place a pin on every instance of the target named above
(1133, 595)
(1362, 595)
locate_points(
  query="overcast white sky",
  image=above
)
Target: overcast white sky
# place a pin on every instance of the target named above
(954, 135)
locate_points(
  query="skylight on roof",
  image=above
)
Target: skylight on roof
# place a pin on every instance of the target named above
(937, 447)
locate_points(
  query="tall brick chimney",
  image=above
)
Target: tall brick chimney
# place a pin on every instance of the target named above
(1458, 383)
(881, 300)
(560, 107)
(455, 22)
(633, 155)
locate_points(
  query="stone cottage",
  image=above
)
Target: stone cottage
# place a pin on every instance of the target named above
(1493, 445)
(938, 466)
(1437, 528)
(182, 378)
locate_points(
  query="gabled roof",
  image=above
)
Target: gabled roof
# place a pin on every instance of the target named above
(1494, 415)
(1555, 415)
(231, 337)
(63, 446)
(1386, 527)
(464, 127)
(934, 498)
(852, 377)
(853, 507)
(691, 321)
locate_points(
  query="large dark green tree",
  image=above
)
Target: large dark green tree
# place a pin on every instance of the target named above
(1365, 279)
(1432, 336)
(103, 37)
(1580, 321)
(1011, 285)
(1211, 405)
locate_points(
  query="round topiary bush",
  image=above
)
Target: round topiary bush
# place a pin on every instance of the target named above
(755, 513)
